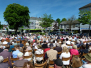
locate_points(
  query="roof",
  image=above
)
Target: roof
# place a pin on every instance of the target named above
(35, 18)
(66, 22)
(86, 6)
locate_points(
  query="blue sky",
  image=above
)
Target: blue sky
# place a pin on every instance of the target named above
(57, 8)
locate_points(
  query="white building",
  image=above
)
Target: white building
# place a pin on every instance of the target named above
(35, 24)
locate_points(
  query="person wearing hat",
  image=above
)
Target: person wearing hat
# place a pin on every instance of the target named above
(58, 63)
(87, 61)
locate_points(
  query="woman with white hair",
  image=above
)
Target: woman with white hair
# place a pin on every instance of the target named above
(74, 50)
(3, 65)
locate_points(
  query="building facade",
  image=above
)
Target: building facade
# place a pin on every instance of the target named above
(66, 25)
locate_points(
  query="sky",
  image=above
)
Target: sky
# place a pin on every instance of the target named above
(57, 8)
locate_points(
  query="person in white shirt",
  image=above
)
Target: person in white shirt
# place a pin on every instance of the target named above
(67, 41)
(65, 53)
(5, 42)
(28, 47)
(26, 53)
(39, 51)
(64, 44)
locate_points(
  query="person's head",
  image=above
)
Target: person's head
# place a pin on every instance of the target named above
(65, 49)
(53, 41)
(20, 41)
(66, 39)
(89, 49)
(28, 65)
(74, 47)
(1, 47)
(51, 47)
(27, 44)
(1, 59)
(58, 40)
(58, 63)
(20, 49)
(25, 49)
(44, 41)
(7, 47)
(20, 56)
(64, 42)
(83, 46)
(17, 48)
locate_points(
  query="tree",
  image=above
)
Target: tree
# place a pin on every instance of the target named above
(17, 16)
(59, 21)
(70, 21)
(46, 21)
(85, 18)
(64, 19)
(1, 26)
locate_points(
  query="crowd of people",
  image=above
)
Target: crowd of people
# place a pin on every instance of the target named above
(64, 51)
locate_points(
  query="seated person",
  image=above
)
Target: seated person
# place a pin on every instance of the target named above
(87, 61)
(28, 65)
(26, 53)
(66, 54)
(14, 53)
(77, 62)
(1, 49)
(74, 51)
(58, 49)
(44, 45)
(21, 61)
(21, 45)
(3, 65)
(58, 63)
(39, 59)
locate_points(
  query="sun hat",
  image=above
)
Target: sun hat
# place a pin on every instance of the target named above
(27, 44)
(89, 49)
(88, 56)
(58, 62)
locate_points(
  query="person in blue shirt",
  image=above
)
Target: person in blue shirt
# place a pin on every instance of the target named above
(21, 45)
(14, 54)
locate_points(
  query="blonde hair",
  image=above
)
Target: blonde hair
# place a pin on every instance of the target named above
(74, 47)
(65, 49)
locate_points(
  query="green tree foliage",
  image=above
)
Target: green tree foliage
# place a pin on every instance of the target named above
(1, 26)
(17, 16)
(84, 17)
(46, 21)
(64, 19)
(59, 21)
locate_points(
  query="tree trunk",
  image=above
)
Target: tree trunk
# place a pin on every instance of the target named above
(15, 31)
(89, 29)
